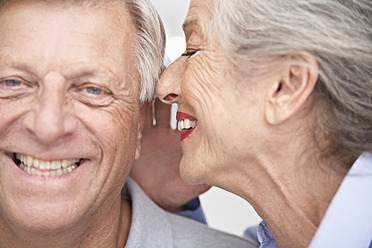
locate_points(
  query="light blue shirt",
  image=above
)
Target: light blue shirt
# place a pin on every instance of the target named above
(194, 211)
(348, 219)
(347, 222)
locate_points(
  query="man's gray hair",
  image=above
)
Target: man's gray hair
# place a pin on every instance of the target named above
(338, 33)
(150, 37)
(151, 45)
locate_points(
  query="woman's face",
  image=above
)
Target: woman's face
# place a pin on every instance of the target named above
(218, 114)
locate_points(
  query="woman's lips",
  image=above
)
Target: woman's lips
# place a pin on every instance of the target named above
(186, 124)
(181, 115)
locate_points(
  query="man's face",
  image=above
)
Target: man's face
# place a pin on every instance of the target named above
(69, 112)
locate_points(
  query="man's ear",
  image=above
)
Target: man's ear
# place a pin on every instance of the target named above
(141, 125)
(291, 90)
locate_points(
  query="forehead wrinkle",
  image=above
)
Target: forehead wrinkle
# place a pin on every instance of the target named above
(20, 64)
(123, 32)
(119, 17)
(83, 69)
(24, 63)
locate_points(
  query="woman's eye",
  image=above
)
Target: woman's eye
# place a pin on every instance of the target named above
(12, 82)
(188, 54)
(94, 91)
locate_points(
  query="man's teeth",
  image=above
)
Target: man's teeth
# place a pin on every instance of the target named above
(186, 124)
(36, 167)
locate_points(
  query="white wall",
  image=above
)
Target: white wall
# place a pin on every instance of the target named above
(224, 211)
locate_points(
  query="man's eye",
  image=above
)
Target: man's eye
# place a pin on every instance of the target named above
(12, 82)
(93, 95)
(14, 88)
(94, 91)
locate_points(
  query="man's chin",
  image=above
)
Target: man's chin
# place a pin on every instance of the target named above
(44, 211)
(43, 217)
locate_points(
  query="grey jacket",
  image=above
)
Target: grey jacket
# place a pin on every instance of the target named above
(153, 227)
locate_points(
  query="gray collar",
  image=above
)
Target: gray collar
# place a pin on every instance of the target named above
(150, 226)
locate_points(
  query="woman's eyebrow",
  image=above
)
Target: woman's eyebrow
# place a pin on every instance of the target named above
(190, 25)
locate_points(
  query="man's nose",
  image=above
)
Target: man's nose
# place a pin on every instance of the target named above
(50, 120)
(168, 88)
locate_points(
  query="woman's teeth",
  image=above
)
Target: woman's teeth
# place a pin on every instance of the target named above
(186, 124)
(36, 167)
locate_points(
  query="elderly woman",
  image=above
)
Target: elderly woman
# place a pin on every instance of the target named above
(275, 105)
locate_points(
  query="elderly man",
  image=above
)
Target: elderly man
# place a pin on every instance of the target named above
(74, 76)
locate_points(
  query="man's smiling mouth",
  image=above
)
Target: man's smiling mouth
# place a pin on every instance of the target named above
(41, 168)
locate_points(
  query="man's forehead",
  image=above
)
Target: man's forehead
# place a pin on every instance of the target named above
(117, 8)
(87, 3)
(117, 18)
(46, 41)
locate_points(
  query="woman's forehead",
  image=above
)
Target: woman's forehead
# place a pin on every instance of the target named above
(198, 17)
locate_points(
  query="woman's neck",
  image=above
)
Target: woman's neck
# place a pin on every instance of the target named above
(288, 193)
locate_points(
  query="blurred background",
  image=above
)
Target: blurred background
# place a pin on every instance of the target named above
(224, 211)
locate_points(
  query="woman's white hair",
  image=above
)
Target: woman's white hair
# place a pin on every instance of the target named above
(338, 33)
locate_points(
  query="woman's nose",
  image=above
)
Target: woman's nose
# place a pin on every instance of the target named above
(168, 88)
